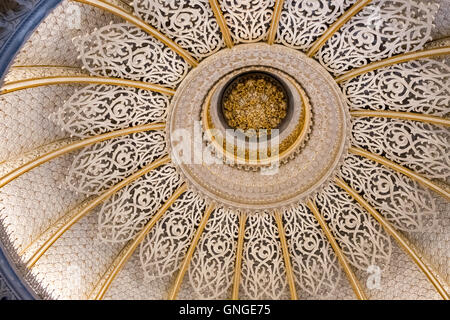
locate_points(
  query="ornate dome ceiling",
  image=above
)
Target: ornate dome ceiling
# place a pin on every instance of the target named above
(225, 149)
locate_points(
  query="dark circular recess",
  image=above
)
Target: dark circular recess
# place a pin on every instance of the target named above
(269, 78)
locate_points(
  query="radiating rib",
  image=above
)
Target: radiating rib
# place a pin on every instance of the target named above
(287, 258)
(402, 115)
(46, 81)
(407, 247)
(359, 292)
(222, 23)
(75, 146)
(184, 266)
(144, 26)
(275, 21)
(429, 53)
(239, 249)
(319, 43)
(104, 283)
(401, 169)
(95, 202)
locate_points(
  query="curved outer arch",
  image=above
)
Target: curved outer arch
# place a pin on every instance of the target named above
(72, 147)
(319, 43)
(427, 53)
(94, 203)
(403, 116)
(46, 81)
(356, 286)
(25, 26)
(392, 165)
(408, 248)
(102, 4)
(187, 259)
(104, 283)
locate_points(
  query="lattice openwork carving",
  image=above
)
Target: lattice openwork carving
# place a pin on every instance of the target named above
(263, 270)
(127, 212)
(361, 238)
(382, 29)
(165, 246)
(316, 268)
(99, 167)
(191, 24)
(421, 86)
(421, 147)
(212, 266)
(124, 51)
(304, 21)
(249, 21)
(98, 109)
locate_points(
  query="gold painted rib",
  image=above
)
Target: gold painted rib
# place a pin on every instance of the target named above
(94, 203)
(218, 14)
(275, 21)
(142, 25)
(428, 53)
(408, 248)
(46, 81)
(402, 115)
(319, 43)
(287, 259)
(104, 283)
(75, 146)
(187, 259)
(359, 292)
(238, 265)
(390, 164)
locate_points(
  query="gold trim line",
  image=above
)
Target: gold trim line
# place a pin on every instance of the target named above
(428, 53)
(74, 146)
(218, 14)
(275, 21)
(238, 264)
(319, 43)
(408, 248)
(403, 116)
(390, 164)
(129, 249)
(359, 292)
(9, 87)
(94, 203)
(102, 4)
(187, 259)
(287, 259)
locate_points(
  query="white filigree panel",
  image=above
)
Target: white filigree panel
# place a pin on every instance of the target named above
(98, 109)
(127, 211)
(304, 21)
(166, 245)
(248, 20)
(212, 266)
(100, 166)
(402, 201)
(421, 147)
(125, 51)
(384, 28)
(190, 24)
(263, 270)
(421, 86)
(361, 238)
(316, 268)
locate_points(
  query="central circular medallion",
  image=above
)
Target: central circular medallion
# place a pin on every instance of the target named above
(289, 101)
(254, 101)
